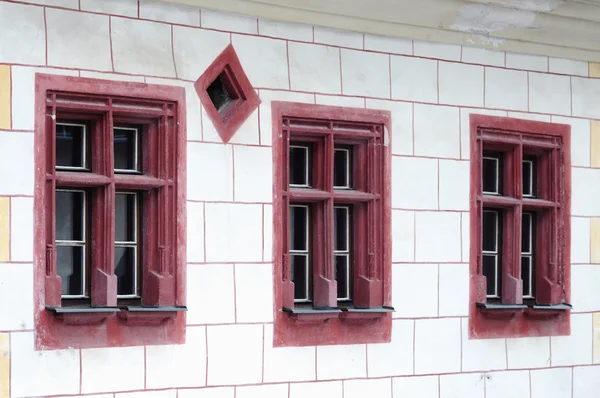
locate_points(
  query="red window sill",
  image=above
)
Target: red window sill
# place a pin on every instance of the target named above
(83, 315)
(332, 326)
(132, 316)
(148, 316)
(518, 320)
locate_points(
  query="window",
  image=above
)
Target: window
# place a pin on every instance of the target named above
(226, 94)
(520, 218)
(109, 163)
(332, 212)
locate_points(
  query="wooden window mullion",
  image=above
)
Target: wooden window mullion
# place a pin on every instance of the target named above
(324, 283)
(103, 279)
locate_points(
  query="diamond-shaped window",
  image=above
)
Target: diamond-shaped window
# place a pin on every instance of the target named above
(226, 93)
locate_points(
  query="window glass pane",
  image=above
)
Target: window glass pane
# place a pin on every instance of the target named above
(70, 215)
(341, 168)
(490, 271)
(491, 175)
(342, 275)
(528, 168)
(341, 230)
(527, 276)
(298, 228)
(126, 270)
(70, 145)
(490, 231)
(125, 217)
(126, 149)
(70, 267)
(299, 275)
(299, 165)
(219, 94)
(526, 232)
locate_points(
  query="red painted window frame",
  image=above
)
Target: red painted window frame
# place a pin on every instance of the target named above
(161, 109)
(371, 323)
(237, 82)
(551, 143)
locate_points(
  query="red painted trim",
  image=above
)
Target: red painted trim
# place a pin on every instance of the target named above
(372, 280)
(551, 143)
(228, 65)
(163, 279)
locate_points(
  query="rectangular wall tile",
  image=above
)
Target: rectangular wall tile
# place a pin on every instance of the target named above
(57, 372)
(4, 229)
(594, 69)
(586, 97)
(22, 37)
(169, 12)
(596, 337)
(595, 240)
(595, 143)
(5, 97)
(4, 364)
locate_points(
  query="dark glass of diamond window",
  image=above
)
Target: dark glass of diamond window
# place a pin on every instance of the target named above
(71, 245)
(126, 245)
(222, 92)
(71, 146)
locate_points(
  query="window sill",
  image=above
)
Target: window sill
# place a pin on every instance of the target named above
(344, 313)
(83, 315)
(312, 314)
(505, 311)
(148, 316)
(547, 311)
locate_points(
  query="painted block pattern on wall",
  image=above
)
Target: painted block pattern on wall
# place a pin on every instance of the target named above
(430, 88)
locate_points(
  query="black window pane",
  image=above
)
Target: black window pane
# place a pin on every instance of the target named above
(490, 231)
(125, 270)
(341, 168)
(299, 275)
(126, 149)
(299, 174)
(526, 230)
(70, 267)
(526, 275)
(341, 226)
(70, 215)
(70, 145)
(125, 218)
(342, 276)
(489, 271)
(528, 178)
(219, 94)
(298, 228)
(491, 175)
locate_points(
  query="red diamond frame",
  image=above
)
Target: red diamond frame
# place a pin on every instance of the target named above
(228, 64)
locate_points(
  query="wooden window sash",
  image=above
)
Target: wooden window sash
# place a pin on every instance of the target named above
(155, 185)
(364, 198)
(549, 261)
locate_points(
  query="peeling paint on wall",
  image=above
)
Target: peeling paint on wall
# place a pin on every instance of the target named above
(531, 5)
(485, 19)
(487, 41)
